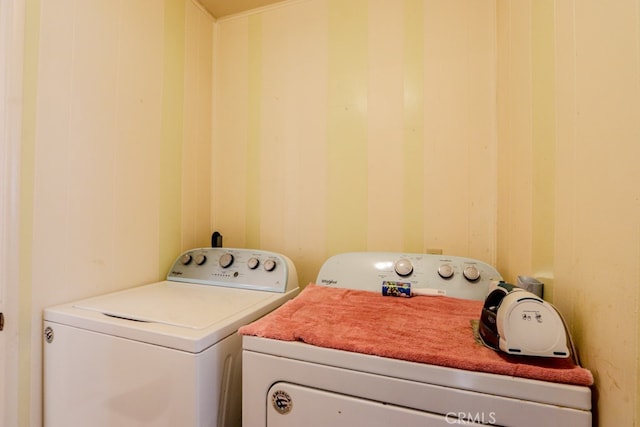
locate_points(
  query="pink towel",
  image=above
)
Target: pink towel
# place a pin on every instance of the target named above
(434, 330)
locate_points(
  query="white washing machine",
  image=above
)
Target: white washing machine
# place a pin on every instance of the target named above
(292, 383)
(164, 354)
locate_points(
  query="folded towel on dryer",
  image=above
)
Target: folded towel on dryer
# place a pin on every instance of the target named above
(438, 331)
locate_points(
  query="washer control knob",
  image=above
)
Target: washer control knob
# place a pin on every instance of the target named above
(471, 273)
(186, 259)
(269, 265)
(403, 267)
(445, 271)
(200, 259)
(253, 263)
(226, 260)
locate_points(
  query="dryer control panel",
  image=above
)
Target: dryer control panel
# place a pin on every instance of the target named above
(237, 268)
(453, 276)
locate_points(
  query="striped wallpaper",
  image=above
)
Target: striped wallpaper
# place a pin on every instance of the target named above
(360, 125)
(338, 125)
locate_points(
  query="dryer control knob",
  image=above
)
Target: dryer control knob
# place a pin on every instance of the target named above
(403, 267)
(471, 273)
(269, 265)
(200, 259)
(253, 263)
(226, 260)
(445, 271)
(186, 259)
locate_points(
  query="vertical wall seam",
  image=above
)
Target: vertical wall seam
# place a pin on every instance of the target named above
(543, 136)
(170, 193)
(414, 135)
(254, 127)
(347, 171)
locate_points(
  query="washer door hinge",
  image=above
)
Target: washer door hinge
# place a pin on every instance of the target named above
(1, 321)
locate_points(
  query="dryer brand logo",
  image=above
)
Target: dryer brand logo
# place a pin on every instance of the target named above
(281, 401)
(329, 281)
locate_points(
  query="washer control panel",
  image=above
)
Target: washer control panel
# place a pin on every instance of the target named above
(236, 268)
(455, 276)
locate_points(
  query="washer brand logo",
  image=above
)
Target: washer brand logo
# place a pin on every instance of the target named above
(177, 273)
(48, 334)
(282, 402)
(329, 281)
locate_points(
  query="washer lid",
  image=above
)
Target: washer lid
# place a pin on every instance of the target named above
(182, 316)
(175, 304)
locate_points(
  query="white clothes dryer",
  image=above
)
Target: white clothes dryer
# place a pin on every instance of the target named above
(164, 354)
(290, 379)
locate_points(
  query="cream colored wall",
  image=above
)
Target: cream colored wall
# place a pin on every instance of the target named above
(374, 128)
(116, 154)
(357, 125)
(569, 102)
(598, 197)
(540, 184)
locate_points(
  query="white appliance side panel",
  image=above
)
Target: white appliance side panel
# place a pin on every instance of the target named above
(93, 379)
(261, 371)
(290, 405)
